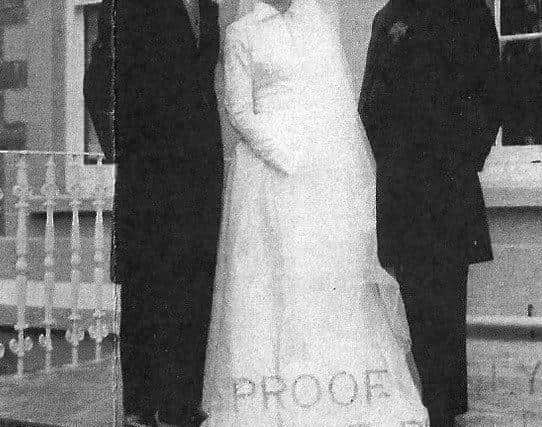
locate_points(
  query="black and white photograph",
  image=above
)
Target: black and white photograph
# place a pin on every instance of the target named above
(271, 213)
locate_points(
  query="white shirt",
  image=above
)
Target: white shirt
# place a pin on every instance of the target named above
(192, 7)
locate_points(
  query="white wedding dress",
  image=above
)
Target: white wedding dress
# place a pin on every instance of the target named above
(307, 329)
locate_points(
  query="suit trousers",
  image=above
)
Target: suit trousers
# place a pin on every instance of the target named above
(435, 297)
(163, 342)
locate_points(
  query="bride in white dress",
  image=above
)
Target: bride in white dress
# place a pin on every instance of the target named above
(307, 329)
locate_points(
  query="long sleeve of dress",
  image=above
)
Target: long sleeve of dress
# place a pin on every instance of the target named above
(262, 132)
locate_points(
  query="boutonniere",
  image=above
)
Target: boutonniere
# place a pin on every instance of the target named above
(398, 31)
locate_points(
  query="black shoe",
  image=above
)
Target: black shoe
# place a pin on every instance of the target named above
(134, 420)
(198, 417)
(194, 418)
(443, 421)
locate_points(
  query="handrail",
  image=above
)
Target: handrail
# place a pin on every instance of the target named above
(52, 153)
(504, 321)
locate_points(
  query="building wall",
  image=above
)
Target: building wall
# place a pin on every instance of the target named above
(31, 90)
(13, 72)
(13, 87)
(35, 43)
(513, 280)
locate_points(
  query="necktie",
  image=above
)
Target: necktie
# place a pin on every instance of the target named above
(192, 6)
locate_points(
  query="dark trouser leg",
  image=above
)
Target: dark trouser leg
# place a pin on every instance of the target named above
(181, 330)
(135, 337)
(435, 301)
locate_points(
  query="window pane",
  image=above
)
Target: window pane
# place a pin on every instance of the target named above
(91, 34)
(522, 66)
(521, 16)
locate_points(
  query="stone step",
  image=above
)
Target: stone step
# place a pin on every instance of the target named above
(500, 419)
(504, 381)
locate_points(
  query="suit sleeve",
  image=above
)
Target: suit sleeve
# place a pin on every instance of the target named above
(490, 89)
(480, 83)
(97, 85)
(265, 133)
(369, 107)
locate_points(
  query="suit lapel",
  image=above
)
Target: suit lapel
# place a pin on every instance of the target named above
(204, 50)
(209, 41)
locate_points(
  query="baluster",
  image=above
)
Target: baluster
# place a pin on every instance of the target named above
(75, 334)
(99, 330)
(51, 192)
(2, 348)
(115, 326)
(22, 191)
(1, 198)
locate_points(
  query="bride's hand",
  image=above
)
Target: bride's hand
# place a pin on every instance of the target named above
(390, 270)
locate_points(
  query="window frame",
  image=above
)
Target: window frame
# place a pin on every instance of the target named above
(512, 175)
(88, 122)
(75, 131)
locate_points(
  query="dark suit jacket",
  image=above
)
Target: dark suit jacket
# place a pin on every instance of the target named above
(430, 106)
(166, 134)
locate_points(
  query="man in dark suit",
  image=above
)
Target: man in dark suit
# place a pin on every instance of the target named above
(429, 104)
(157, 76)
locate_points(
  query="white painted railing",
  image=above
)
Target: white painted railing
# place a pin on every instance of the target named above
(49, 195)
(50, 293)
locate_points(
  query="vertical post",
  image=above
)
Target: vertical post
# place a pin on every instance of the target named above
(23, 192)
(2, 225)
(2, 213)
(99, 330)
(498, 26)
(2, 348)
(530, 311)
(75, 334)
(50, 191)
(539, 13)
(498, 17)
